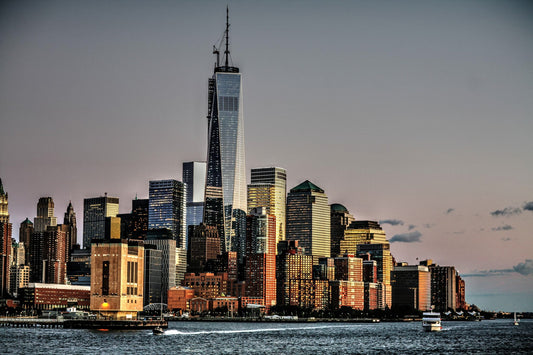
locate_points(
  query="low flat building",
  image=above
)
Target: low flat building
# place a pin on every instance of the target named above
(53, 296)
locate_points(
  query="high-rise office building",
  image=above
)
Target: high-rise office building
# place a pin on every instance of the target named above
(25, 232)
(163, 240)
(194, 179)
(152, 274)
(268, 188)
(261, 256)
(20, 272)
(294, 276)
(5, 242)
(361, 232)
(134, 225)
(4, 213)
(411, 287)
(460, 295)
(54, 254)
(72, 230)
(204, 245)
(167, 210)
(45, 215)
(308, 219)
(340, 220)
(225, 187)
(443, 286)
(95, 211)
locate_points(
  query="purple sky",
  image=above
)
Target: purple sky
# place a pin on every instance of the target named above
(419, 113)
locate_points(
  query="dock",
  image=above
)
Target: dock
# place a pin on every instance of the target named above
(130, 324)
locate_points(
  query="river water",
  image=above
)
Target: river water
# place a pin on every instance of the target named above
(486, 337)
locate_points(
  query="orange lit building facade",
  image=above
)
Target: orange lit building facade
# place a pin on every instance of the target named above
(117, 278)
(260, 266)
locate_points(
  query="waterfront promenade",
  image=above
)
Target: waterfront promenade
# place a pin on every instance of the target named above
(29, 322)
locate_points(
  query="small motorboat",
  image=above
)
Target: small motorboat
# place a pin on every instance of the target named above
(158, 331)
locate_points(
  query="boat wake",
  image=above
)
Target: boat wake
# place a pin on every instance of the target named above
(262, 330)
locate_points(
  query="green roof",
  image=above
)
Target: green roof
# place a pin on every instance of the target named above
(337, 207)
(307, 186)
(27, 221)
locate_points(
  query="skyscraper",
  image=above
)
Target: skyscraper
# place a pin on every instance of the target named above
(95, 211)
(194, 178)
(308, 219)
(166, 210)
(5, 242)
(411, 287)
(4, 214)
(45, 214)
(261, 256)
(225, 189)
(25, 233)
(134, 225)
(340, 220)
(268, 188)
(72, 230)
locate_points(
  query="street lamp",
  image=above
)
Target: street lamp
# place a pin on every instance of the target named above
(104, 305)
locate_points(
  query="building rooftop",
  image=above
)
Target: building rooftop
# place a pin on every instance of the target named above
(307, 186)
(337, 207)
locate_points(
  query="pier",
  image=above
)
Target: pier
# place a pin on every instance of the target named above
(82, 323)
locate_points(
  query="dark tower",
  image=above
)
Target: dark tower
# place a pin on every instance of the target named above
(72, 231)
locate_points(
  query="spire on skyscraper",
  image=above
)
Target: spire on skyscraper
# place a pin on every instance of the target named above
(226, 52)
(227, 57)
(2, 188)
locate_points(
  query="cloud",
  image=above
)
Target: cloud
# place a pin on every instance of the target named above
(486, 273)
(392, 222)
(449, 210)
(428, 225)
(507, 211)
(411, 237)
(412, 226)
(525, 268)
(528, 206)
(503, 228)
(506, 239)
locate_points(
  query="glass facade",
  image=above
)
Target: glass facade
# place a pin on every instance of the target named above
(268, 189)
(95, 211)
(194, 179)
(308, 219)
(166, 208)
(225, 193)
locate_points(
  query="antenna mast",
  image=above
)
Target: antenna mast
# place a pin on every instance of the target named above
(226, 52)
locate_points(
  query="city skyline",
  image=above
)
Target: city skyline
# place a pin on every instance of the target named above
(416, 115)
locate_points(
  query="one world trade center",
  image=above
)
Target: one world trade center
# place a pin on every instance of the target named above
(225, 190)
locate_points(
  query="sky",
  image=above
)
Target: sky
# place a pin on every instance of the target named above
(417, 114)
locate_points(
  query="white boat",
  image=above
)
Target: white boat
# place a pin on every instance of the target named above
(431, 322)
(516, 320)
